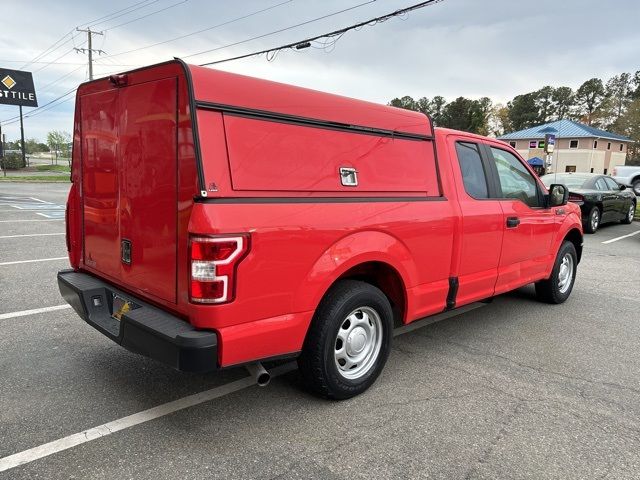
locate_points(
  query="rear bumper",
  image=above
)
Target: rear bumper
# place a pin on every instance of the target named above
(145, 329)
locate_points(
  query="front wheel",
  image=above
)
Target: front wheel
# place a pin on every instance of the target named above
(630, 214)
(636, 187)
(557, 288)
(348, 341)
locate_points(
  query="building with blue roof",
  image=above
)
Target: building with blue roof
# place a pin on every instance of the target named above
(578, 148)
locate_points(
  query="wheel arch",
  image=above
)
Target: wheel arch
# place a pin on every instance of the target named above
(574, 236)
(373, 257)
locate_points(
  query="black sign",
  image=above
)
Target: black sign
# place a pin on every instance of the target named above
(16, 88)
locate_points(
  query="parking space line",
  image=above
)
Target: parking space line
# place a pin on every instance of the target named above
(32, 261)
(103, 430)
(31, 235)
(34, 311)
(51, 220)
(620, 238)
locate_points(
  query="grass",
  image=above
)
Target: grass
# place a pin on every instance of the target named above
(35, 178)
(53, 168)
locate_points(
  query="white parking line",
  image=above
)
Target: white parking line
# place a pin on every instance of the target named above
(31, 235)
(100, 431)
(105, 429)
(620, 238)
(32, 261)
(11, 221)
(24, 313)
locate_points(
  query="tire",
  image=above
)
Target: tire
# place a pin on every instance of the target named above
(593, 220)
(557, 288)
(630, 214)
(353, 323)
(636, 187)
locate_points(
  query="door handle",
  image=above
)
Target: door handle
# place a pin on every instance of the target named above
(513, 222)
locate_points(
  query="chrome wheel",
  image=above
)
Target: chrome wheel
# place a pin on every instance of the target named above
(358, 343)
(595, 219)
(565, 274)
(631, 213)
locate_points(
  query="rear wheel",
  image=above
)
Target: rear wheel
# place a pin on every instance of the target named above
(557, 288)
(348, 341)
(593, 221)
(636, 187)
(630, 214)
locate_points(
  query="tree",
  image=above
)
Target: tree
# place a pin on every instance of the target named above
(563, 102)
(59, 142)
(629, 124)
(436, 108)
(499, 122)
(32, 146)
(589, 98)
(405, 102)
(544, 103)
(523, 111)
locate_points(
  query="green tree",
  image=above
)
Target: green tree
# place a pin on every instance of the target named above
(563, 102)
(629, 125)
(589, 98)
(59, 143)
(405, 102)
(523, 111)
(544, 103)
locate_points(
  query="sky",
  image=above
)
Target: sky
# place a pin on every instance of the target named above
(471, 48)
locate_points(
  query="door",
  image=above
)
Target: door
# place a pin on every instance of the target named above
(528, 226)
(622, 206)
(129, 183)
(609, 201)
(480, 239)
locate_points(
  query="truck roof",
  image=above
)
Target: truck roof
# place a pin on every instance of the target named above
(219, 87)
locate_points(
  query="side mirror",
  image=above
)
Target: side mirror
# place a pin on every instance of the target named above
(623, 187)
(558, 195)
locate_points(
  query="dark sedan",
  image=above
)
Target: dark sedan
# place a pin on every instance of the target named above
(601, 198)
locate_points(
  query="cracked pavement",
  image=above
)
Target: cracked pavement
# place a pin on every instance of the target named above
(516, 389)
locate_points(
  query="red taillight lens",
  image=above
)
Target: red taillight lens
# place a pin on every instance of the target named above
(214, 261)
(575, 198)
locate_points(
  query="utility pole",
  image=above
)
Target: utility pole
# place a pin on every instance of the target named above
(89, 50)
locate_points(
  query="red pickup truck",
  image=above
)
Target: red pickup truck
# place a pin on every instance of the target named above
(218, 220)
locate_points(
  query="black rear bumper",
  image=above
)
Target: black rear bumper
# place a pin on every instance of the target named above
(145, 329)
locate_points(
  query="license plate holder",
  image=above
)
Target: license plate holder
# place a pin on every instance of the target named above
(121, 306)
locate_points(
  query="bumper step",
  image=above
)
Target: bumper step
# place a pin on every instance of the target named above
(144, 329)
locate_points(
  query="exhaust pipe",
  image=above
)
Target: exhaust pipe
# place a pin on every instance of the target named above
(260, 375)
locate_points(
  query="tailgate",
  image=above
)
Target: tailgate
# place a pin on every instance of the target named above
(129, 186)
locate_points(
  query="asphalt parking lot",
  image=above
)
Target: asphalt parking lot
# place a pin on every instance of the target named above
(513, 389)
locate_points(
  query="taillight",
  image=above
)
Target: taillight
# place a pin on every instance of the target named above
(575, 198)
(214, 261)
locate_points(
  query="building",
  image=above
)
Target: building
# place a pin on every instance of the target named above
(578, 148)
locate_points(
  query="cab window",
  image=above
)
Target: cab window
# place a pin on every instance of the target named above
(473, 174)
(516, 182)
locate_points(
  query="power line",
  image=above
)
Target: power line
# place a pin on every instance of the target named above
(147, 15)
(16, 118)
(200, 31)
(113, 15)
(307, 42)
(280, 30)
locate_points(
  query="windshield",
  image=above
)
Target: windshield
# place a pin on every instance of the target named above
(575, 181)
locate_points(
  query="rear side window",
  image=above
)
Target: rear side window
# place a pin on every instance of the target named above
(601, 184)
(516, 181)
(473, 174)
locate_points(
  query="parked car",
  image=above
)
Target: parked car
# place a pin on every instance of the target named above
(218, 220)
(601, 199)
(628, 175)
